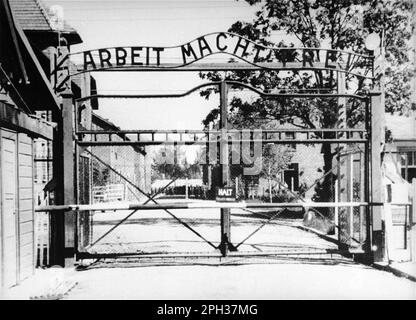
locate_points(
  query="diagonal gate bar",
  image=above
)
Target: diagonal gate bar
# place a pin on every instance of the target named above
(260, 227)
(133, 212)
(301, 199)
(317, 211)
(151, 199)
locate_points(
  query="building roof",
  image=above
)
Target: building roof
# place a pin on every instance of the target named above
(31, 87)
(33, 16)
(108, 125)
(402, 127)
(104, 123)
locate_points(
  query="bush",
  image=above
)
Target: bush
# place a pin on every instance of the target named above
(313, 220)
(279, 197)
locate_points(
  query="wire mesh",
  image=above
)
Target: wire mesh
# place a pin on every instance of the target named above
(284, 174)
(120, 174)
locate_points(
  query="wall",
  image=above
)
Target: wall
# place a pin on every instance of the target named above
(21, 261)
(26, 206)
(127, 160)
(310, 160)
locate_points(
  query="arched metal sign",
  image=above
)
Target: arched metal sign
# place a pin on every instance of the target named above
(246, 54)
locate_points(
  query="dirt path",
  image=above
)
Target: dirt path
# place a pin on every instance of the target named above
(277, 281)
(156, 231)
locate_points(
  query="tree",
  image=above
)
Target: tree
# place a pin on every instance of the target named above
(168, 163)
(336, 24)
(276, 158)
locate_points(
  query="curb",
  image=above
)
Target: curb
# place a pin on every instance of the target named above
(395, 271)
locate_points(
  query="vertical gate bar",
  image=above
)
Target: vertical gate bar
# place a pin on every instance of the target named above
(48, 237)
(413, 222)
(361, 195)
(350, 170)
(224, 159)
(336, 211)
(57, 227)
(76, 180)
(388, 222)
(343, 165)
(367, 176)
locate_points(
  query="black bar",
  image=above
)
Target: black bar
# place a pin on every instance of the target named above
(171, 142)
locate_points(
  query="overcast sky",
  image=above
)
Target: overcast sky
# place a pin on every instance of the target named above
(150, 23)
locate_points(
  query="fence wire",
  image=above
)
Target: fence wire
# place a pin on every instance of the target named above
(287, 173)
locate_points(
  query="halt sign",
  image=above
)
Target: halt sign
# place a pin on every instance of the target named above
(226, 194)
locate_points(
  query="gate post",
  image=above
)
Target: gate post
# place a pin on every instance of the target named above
(63, 223)
(225, 244)
(57, 223)
(68, 173)
(62, 227)
(413, 222)
(376, 182)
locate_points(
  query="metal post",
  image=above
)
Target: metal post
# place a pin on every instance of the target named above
(388, 232)
(350, 190)
(413, 223)
(236, 187)
(344, 214)
(186, 188)
(336, 211)
(76, 180)
(68, 173)
(367, 186)
(225, 244)
(57, 227)
(362, 193)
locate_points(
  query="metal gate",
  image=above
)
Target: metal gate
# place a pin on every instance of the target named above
(342, 193)
(121, 175)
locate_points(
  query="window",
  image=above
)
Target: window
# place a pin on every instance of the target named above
(408, 165)
(43, 161)
(291, 136)
(291, 176)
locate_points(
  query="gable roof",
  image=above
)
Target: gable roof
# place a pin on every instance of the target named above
(37, 89)
(33, 16)
(10, 51)
(104, 123)
(108, 125)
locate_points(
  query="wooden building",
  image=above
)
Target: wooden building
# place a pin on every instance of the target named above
(32, 128)
(23, 87)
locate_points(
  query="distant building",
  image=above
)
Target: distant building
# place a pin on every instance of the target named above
(399, 171)
(130, 162)
(305, 167)
(401, 153)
